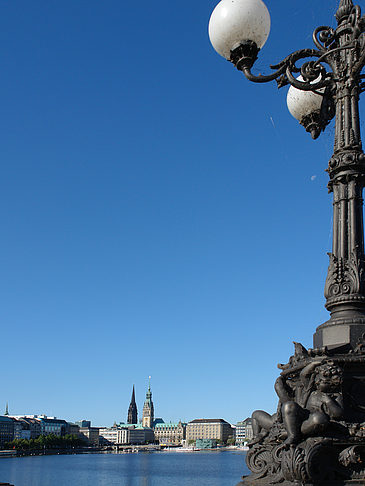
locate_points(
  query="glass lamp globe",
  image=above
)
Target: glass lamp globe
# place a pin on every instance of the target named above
(235, 21)
(303, 103)
(306, 107)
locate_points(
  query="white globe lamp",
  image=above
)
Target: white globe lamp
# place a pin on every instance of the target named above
(237, 22)
(306, 107)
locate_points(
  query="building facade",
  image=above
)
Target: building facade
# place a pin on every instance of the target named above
(21, 429)
(83, 423)
(90, 435)
(34, 427)
(6, 430)
(115, 435)
(148, 410)
(54, 426)
(170, 434)
(217, 429)
(244, 431)
(133, 434)
(141, 435)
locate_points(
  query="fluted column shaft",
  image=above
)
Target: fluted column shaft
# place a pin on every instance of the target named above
(345, 289)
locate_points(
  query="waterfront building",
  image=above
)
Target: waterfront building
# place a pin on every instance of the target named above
(244, 431)
(83, 423)
(21, 429)
(127, 434)
(141, 435)
(114, 435)
(148, 410)
(170, 434)
(53, 426)
(90, 435)
(132, 411)
(6, 430)
(72, 428)
(34, 426)
(217, 429)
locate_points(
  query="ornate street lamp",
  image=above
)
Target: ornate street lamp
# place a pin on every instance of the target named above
(317, 436)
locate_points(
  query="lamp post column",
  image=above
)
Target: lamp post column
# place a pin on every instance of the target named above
(344, 288)
(317, 436)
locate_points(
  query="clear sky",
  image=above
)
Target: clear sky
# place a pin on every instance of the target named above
(160, 215)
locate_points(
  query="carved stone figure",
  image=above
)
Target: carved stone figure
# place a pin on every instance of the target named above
(305, 407)
(317, 435)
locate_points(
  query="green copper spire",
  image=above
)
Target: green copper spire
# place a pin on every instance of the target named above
(149, 393)
(148, 409)
(7, 409)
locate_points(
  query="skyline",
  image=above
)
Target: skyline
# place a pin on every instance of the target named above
(160, 214)
(122, 421)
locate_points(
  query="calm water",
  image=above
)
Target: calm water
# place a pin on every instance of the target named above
(156, 469)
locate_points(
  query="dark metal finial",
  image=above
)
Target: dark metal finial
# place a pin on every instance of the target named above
(344, 10)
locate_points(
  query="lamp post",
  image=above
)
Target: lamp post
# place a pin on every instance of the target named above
(317, 435)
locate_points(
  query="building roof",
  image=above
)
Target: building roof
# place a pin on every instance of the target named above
(210, 421)
(247, 421)
(170, 425)
(5, 419)
(54, 421)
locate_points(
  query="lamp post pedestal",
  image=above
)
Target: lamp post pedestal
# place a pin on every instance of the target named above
(317, 436)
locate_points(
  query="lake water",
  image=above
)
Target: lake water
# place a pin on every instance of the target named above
(143, 469)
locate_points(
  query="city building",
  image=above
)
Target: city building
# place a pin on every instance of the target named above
(34, 426)
(158, 420)
(115, 435)
(90, 435)
(72, 428)
(53, 426)
(21, 429)
(170, 434)
(83, 423)
(6, 430)
(141, 435)
(148, 411)
(244, 431)
(132, 411)
(217, 429)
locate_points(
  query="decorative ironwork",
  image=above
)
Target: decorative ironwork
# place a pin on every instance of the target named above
(333, 70)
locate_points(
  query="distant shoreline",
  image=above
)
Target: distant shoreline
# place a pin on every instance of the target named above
(54, 452)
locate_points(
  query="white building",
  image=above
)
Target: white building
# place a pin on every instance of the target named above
(244, 431)
(115, 435)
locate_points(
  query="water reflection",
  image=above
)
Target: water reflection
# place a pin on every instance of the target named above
(156, 469)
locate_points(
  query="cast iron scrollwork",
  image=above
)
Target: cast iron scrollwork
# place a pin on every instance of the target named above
(315, 77)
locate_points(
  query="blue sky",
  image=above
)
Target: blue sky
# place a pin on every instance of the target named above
(160, 214)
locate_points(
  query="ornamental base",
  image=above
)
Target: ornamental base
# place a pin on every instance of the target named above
(339, 332)
(351, 482)
(317, 436)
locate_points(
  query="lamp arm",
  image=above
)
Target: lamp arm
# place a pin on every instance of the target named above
(311, 70)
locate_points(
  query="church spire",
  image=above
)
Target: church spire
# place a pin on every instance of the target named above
(344, 10)
(7, 409)
(132, 411)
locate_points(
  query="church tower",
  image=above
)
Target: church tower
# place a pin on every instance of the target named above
(148, 412)
(132, 411)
